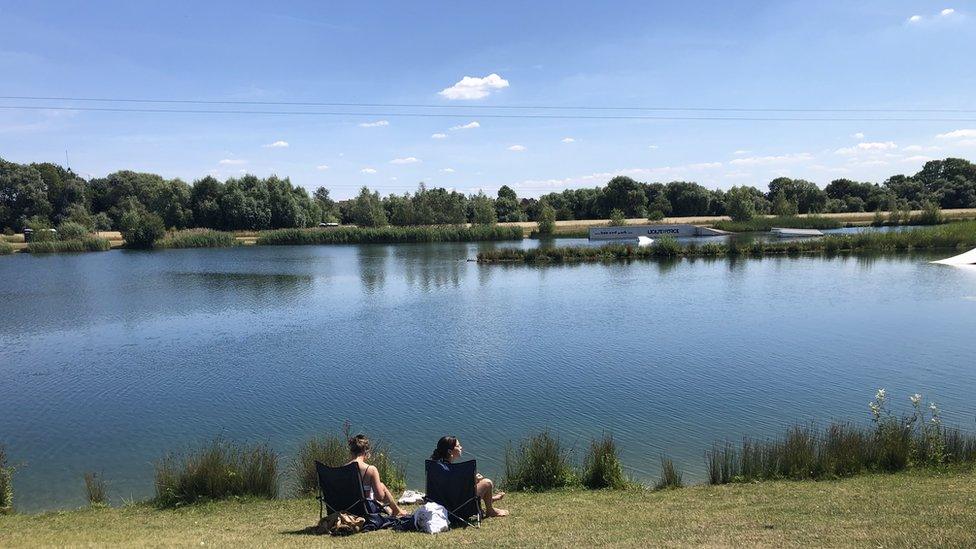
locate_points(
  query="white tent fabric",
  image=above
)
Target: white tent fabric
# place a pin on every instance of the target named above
(968, 258)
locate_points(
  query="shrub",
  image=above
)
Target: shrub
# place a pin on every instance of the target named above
(6, 248)
(655, 215)
(6, 484)
(666, 246)
(87, 244)
(141, 229)
(95, 490)
(601, 467)
(547, 220)
(7, 231)
(617, 218)
(70, 230)
(539, 463)
(931, 214)
(391, 473)
(198, 238)
(670, 476)
(218, 470)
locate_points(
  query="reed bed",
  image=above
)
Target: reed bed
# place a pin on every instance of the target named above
(671, 477)
(6, 484)
(333, 451)
(953, 236)
(601, 466)
(389, 234)
(198, 238)
(87, 244)
(539, 463)
(96, 490)
(6, 248)
(218, 470)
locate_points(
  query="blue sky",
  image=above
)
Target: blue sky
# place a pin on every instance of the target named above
(699, 54)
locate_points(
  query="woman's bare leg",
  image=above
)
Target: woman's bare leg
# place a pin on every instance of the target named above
(484, 489)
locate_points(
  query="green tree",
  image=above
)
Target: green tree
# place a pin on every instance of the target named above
(740, 204)
(507, 206)
(141, 229)
(783, 206)
(367, 211)
(547, 220)
(617, 218)
(327, 206)
(483, 210)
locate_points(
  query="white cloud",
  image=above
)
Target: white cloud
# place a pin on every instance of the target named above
(277, 145)
(438, 136)
(741, 152)
(517, 148)
(232, 162)
(915, 19)
(322, 167)
(958, 134)
(947, 11)
(377, 124)
(471, 87)
(468, 126)
(858, 135)
(447, 170)
(394, 178)
(369, 171)
(917, 158)
(602, 177)
(652, 147)
(771, 160)
(568, 140)
(867, 147)
(407, 160)
(920, 148)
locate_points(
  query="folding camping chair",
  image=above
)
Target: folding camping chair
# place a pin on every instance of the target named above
(453, 486)
(340, 489)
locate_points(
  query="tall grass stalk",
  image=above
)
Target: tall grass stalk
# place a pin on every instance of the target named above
(601, 466)
(539, 463)
(197, 238)
(670, 475)
(87, 244)
(333, 451)
(389, 234)
(95, 490)
(6, 484)
(218, 470)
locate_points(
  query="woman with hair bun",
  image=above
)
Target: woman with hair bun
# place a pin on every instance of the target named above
(373, 487)
(449, 449)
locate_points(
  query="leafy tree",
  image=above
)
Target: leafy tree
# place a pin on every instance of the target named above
(483, 210)
(367, 211)
(617, 218)
(688, 199)
(782, 205)
(624, 194)
(547, 220)
(22, 195)
(327, 206)
(141, 229)
(740, 204)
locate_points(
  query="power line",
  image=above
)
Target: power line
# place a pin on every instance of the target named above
(490, 107)
(488, 115)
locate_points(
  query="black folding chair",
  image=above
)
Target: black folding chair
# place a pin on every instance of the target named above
(453, 486)
(340, 489)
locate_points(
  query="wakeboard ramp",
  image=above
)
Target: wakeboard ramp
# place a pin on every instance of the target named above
(968, 258)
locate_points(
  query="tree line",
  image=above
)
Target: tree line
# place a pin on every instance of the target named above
(47, 195)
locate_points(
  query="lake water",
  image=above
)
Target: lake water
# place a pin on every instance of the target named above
(109, 360)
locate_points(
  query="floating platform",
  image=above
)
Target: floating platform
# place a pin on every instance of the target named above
(632, 232)
(793, 233)
(968, 258)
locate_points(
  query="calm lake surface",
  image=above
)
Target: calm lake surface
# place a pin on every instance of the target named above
(110, 360)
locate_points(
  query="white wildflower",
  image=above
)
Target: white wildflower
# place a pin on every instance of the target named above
(916, 398)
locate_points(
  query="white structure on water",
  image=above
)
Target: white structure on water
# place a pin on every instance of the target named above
(968, 258)
(792, 233)
(632, 232)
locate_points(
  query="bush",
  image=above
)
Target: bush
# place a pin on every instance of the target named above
(670, 476)
(655, 215)
(6, 484)
(70, 230)
(601, 467)
(218, 470)
(931, 215)
(87, 244)
(547, 220)
(539, 463)
(6, 248)
(617, 218)
(198, 238)
(333, 451)
(141, 229)
(95, 490)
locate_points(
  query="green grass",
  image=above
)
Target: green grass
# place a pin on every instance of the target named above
(6, 483)
(538, 463)
(921, 508)
(767, 223)
(6, 248)
(217, 470)
(197, 238)
(390, 234)
(952, 236)
(87, 244)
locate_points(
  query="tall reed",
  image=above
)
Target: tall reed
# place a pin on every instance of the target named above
(601, 466)
(389, 234)
(95, 489)
(6, 484)
(6, 248)
(333, 451)
(670, 475)
(539, 463)
(197, 238)
(87, 244)
(217, 470)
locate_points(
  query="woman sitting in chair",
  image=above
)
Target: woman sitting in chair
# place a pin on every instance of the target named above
(449, 449)
(373, 487)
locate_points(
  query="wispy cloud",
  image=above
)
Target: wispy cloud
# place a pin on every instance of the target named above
(741, 152)
(277, 145)
(947, 12)
(771, 160)
(232, 162)
(377, 124)
(915, 19)
(438, 136)
(568, 140)
(920, 148)
(369, 171)
(517, 148)
(471, 87)
(652, 147)
(322, 167)
(858, 135)
(406, 160)
(867, 147)
(447, 170)
(468, 126)
(958, 134)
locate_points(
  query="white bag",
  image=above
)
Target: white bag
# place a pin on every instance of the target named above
(431, 518)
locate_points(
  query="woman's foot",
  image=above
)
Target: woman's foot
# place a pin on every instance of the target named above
(497, 496)
(497, 513)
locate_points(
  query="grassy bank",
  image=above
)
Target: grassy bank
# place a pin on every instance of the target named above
(385, 235)
(790, 222)
(953, 236)
(919, 508)
(198, 238)
(87, 244)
